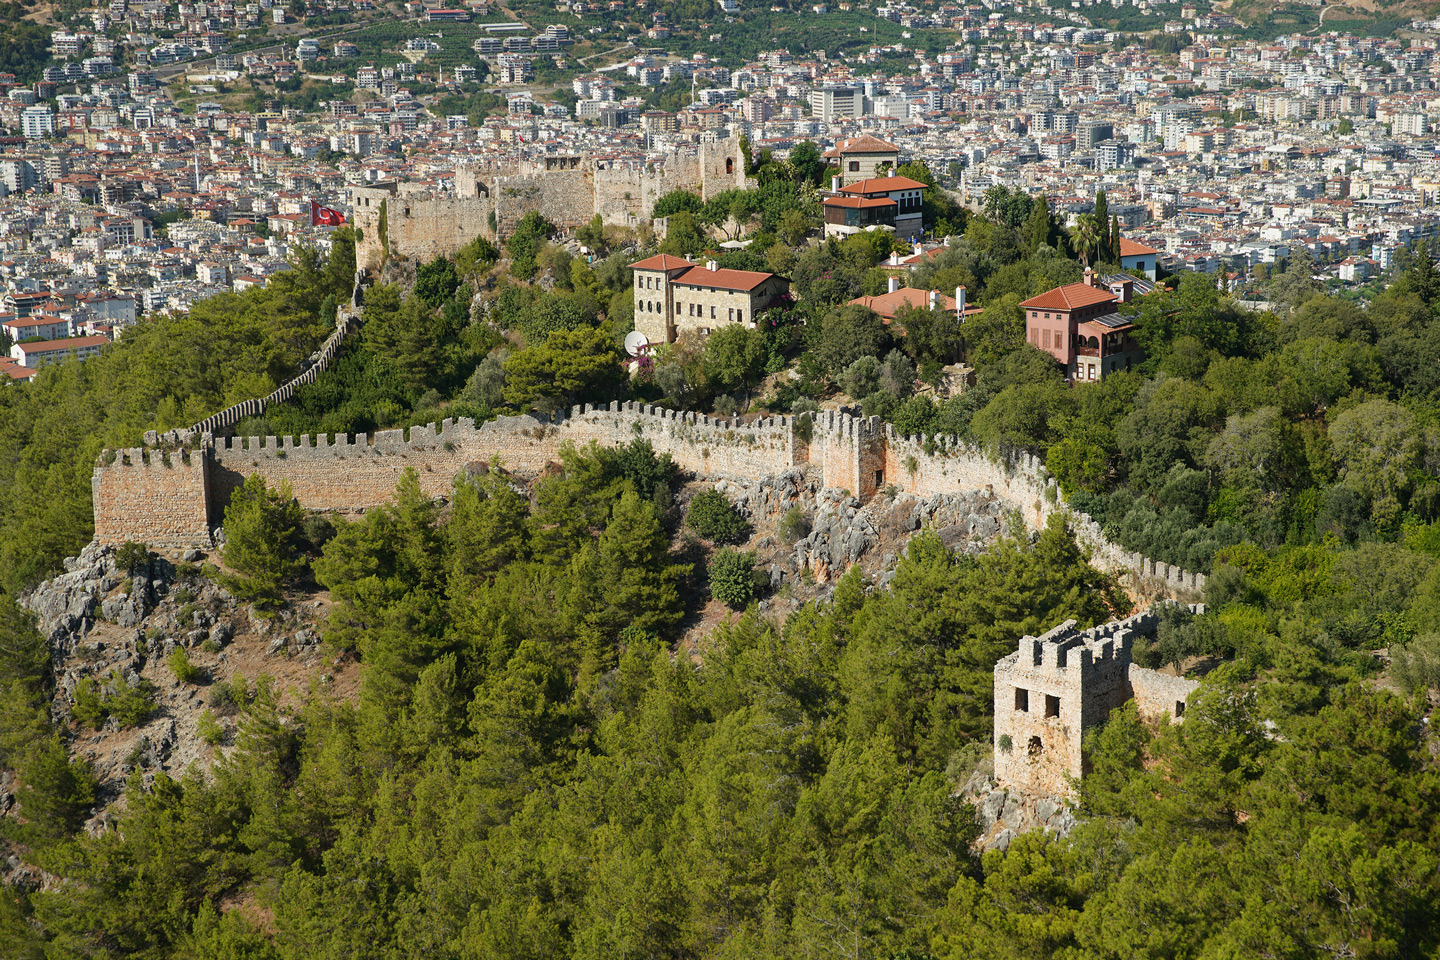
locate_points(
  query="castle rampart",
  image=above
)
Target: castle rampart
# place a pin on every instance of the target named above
(490, 200)
(350, 474)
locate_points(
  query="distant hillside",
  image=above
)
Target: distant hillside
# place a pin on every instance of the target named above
(1369, 16)
(24, 43)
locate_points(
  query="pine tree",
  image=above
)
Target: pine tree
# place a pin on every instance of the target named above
(1423, 278)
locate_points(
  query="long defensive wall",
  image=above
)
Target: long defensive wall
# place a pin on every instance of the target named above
(173, 495)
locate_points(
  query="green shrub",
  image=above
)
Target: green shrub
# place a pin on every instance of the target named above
(179, 663)
(732, 578)
(713, 517)
(183, 596)
(209, 728)
(794, 525)
(222, 700)
(1416, 665)
(89, 709)
(131, 556)
(131, 706)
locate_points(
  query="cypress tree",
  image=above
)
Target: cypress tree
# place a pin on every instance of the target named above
(1103, 252)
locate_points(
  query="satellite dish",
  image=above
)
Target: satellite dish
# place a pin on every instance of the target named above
(635, 341)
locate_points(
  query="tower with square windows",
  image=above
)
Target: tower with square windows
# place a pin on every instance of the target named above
(1059, 686)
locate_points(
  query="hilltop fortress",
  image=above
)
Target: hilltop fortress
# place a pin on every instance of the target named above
(173, 491)
(419, 222)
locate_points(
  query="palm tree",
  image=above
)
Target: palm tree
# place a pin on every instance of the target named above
(1086, 236)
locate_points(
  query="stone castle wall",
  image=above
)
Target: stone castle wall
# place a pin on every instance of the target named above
(340, 473)
(152, 496)
(421, 225)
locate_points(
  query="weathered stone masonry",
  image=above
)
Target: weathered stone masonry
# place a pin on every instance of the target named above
(1059, 686)
(174, 498)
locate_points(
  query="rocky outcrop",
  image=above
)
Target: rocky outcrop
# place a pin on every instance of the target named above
(116, 628)
(843, 531)
(1005, 814)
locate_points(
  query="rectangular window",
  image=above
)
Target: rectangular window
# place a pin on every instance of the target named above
(712, 313)
(1052, 706)
(1022, 700)
(854, 165)
(740, 316)
(1034, 337)
(1090, 372)
(731, 315)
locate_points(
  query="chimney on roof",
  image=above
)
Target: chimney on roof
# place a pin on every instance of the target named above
(934, 299)
(918, 249)
(960, 304)
(835, 184)
(892, 284)
(1089, 277)
(712, 265)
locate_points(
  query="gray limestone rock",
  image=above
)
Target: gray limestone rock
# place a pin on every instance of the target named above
(991, 808)
(1014, 815)
(1046, 809)
(1002, 840)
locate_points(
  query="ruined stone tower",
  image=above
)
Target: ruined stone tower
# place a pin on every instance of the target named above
(1059, 686)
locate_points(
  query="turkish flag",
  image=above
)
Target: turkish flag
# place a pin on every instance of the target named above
(324, 216)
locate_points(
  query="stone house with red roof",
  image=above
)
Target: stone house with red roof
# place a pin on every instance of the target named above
(860, 158)
(674, 296)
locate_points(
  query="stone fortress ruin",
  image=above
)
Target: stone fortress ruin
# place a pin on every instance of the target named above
(173, 491)
(1059, 686)
(488, 199)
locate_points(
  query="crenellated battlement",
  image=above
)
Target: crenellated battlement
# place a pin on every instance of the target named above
(1057, 687)
(847, 452)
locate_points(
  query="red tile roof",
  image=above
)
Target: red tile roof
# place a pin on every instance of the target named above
(859, 202)
(865, 144)
(1072, 296)
(662, 262)
(888, 304)
(72, 343)
(724, 279)
(1129, 248)
(883, 185)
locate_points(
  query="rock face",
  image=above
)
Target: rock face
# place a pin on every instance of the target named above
(115, 628)
(843, 531)
(1006, 814)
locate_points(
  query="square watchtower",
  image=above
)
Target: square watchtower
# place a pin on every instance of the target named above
(1059, 686)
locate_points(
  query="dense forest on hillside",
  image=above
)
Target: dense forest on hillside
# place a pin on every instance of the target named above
(540, 762)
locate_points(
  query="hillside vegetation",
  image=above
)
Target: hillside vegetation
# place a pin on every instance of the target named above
(541, 761)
